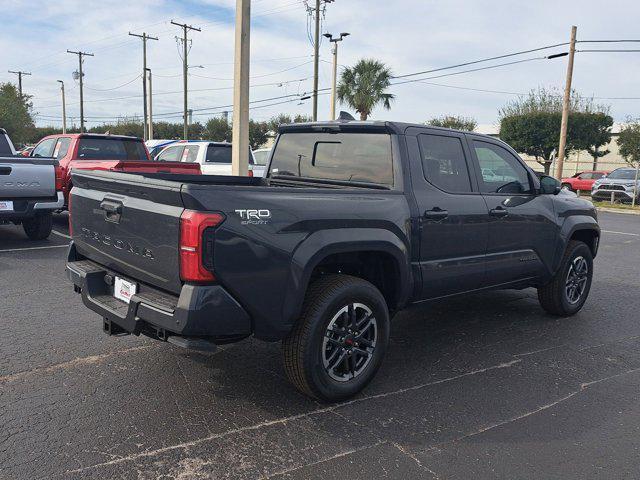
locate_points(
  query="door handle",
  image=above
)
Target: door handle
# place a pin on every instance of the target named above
(499, 212)
(436, 214)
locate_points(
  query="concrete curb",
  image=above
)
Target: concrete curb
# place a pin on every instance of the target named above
(618, 210)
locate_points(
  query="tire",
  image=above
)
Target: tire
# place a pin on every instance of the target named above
(314, 348)
(38, 227)
(558, 297)
(567, 186)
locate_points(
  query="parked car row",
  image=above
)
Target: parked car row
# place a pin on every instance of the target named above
(621, 183)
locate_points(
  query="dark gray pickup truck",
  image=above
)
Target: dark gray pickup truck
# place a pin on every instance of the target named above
(354, 221)
(28, 194)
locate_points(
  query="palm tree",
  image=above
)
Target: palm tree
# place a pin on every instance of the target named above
(363, 86)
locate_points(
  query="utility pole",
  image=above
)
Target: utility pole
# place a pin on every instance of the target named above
(185, 52)
(316, 62)
(150, 107)
(316, 54)
(240, 131)
(20, 74)
(64, 108)
(144, 38)
(566, 104)
(334, 85)
(81, 75)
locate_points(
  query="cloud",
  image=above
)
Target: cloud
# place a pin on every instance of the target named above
(409, 35)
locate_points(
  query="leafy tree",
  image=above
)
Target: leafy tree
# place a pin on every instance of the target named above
(284, 119)
(258, 134)
(363, 87)
(629, 142)
(218, 130)
(591, 131)
(455, 122)
(531, 125)
(15, 114)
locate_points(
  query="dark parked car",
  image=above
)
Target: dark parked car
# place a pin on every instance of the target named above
(355, 221)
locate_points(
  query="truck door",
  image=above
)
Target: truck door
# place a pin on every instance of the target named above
(453, 223)
(522, 227)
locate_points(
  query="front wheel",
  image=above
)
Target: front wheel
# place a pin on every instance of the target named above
(38, 227)
(568, 290)
(339, 342)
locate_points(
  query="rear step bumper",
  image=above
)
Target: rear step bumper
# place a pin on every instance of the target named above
(199, 312)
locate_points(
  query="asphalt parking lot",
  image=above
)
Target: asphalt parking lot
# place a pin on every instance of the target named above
(479, 387)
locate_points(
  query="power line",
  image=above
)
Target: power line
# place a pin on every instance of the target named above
(488, 59)
(113, 88)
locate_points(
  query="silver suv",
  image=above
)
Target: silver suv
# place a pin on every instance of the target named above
(621, 183)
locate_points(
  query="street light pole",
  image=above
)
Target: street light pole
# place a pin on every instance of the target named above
(150, 107)
(240, 131)
(566, 104)
(334, 85)
(64, 108)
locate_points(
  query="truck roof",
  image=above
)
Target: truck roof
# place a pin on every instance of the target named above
(374, 125)
(93, 135)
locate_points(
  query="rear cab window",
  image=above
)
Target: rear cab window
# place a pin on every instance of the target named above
(344, 157)
(94, 148)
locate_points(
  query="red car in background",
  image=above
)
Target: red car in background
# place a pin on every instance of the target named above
(582, 181)
(88, 151)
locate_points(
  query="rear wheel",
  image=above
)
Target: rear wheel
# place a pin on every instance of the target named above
(568, 290)
(339, 342)
(38, 227)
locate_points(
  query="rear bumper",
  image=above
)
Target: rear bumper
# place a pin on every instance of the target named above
(200, 311)
(29, 208)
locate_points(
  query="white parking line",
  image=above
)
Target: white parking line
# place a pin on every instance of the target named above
(61, 234)
(33, 248)
(622, 233)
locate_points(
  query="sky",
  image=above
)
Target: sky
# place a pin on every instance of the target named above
(407, 35)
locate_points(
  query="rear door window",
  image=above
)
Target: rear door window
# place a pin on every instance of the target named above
(62, 147)
(5, 148)
(190, 153)
(351, 157)
(111, 149)
(171, 154)
(44, 148)
(444, 163)
(219, 154)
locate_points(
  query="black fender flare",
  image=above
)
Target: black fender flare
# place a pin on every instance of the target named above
(323, 243)
(572, 225)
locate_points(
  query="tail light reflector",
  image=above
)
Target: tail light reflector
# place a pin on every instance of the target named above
(59, 178)
(192, 229)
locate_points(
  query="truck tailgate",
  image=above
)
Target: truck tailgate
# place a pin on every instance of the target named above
(129, 224)
(27, 178)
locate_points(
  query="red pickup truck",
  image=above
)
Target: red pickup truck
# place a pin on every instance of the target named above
(88, 151)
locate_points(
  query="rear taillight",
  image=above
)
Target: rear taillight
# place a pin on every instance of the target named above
(250, 173)
(193, 244)
(59, 178)
(69, 208)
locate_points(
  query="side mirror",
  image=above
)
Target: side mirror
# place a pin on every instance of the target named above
(549, 185)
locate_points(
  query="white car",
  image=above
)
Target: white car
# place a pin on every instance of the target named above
(214, 157)
(261, 156)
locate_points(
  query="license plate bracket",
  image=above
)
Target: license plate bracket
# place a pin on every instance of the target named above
(124, 289)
